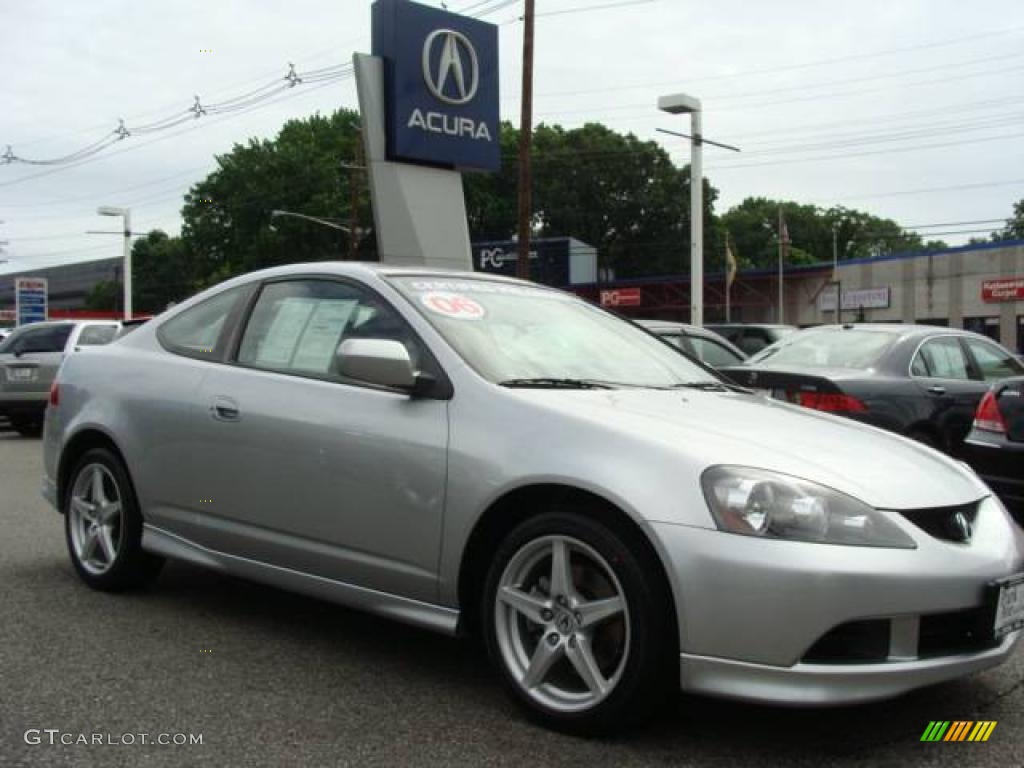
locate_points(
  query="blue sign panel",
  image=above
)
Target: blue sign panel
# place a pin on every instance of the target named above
(440, 85)
(30, 299)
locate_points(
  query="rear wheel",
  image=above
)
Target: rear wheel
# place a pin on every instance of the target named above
(576, 622)
(103, 525)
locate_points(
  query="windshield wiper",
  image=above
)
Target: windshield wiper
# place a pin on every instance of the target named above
(553, 383)
(712, 386)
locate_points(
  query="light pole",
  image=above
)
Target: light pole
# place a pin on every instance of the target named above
(681, 104)
(324, 222)
(126, 214)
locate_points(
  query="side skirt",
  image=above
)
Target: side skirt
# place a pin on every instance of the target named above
(426, 615)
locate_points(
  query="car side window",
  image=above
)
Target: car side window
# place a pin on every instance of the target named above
(678, 341)
(994, 362)
(49, 339)
(296, 326)
(93, 335)
(713, 353)
(752, 342)
(941, 358)
(196, 331)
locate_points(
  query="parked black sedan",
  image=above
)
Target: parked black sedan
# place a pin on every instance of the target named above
(924, 382)
(995, 445)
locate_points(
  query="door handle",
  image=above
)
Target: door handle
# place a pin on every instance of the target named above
(937, 390)
(225, 409)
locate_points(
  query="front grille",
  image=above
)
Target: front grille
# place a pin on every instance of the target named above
(944, 634)
(856, 642)
(946, 523)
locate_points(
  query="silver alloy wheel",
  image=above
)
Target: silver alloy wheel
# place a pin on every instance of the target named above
(96, 519)
(562, 623)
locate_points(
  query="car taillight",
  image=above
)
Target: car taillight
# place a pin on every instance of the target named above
(988, 416)
(830, 401)
(54, 395)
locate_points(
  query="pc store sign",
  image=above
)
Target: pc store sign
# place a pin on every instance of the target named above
(440, 86)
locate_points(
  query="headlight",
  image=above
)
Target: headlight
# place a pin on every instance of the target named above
(756, 502)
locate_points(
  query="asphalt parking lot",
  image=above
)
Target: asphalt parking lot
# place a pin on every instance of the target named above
(268, 678)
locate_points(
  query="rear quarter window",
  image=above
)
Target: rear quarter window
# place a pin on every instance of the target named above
(94, 335)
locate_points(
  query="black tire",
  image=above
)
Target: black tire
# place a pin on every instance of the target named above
(130, 567)
(647, 671)
(27, 426)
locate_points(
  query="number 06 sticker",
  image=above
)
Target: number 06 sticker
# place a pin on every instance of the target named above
(453, 305)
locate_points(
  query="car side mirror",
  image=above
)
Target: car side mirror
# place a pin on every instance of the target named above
(383, 362)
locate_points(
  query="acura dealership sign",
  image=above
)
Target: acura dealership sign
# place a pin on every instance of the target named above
(440, 86)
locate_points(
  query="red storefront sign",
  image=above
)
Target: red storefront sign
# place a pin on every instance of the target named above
(622, 297)
(1003, 289)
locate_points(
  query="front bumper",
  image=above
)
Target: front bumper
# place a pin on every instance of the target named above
(752, 611)
(823, 684)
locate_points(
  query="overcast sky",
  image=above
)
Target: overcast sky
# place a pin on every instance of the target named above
(910, 109)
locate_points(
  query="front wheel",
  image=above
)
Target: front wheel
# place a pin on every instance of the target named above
(577, 623)
(103, 525)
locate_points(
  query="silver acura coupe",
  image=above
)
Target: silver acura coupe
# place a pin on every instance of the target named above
(480, 455)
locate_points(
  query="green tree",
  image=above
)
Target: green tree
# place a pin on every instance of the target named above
(164, 271)
(105, 296)
(620, 194)
(753, 225)
(1014, 229)
(227, 226)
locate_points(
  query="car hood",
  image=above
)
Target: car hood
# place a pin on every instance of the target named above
(709, 428)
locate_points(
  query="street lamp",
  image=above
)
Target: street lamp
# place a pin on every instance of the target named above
(681, 104)
(325, 222)
(126, 214)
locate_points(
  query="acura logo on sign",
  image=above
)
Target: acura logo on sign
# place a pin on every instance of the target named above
(457, 75)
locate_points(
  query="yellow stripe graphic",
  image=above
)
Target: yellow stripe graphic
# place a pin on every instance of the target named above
(988, 731)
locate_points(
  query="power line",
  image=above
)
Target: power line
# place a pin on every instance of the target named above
(802, 65)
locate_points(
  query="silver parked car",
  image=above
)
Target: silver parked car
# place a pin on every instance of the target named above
(478, 454)
(29, 359)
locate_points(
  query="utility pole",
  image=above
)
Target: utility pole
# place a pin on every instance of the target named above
(783, 249)
(525, 142)
(354, 189)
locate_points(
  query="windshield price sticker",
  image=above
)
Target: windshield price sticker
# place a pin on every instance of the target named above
(453, 305)
(490, 288)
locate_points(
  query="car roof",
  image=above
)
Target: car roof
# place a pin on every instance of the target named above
(903, 329)
(749, 325)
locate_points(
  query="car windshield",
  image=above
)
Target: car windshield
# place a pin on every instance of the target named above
(516, 334)
(827, 348)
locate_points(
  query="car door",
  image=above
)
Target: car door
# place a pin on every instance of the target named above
(948, 389)
(315, 473)
(35, 358)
